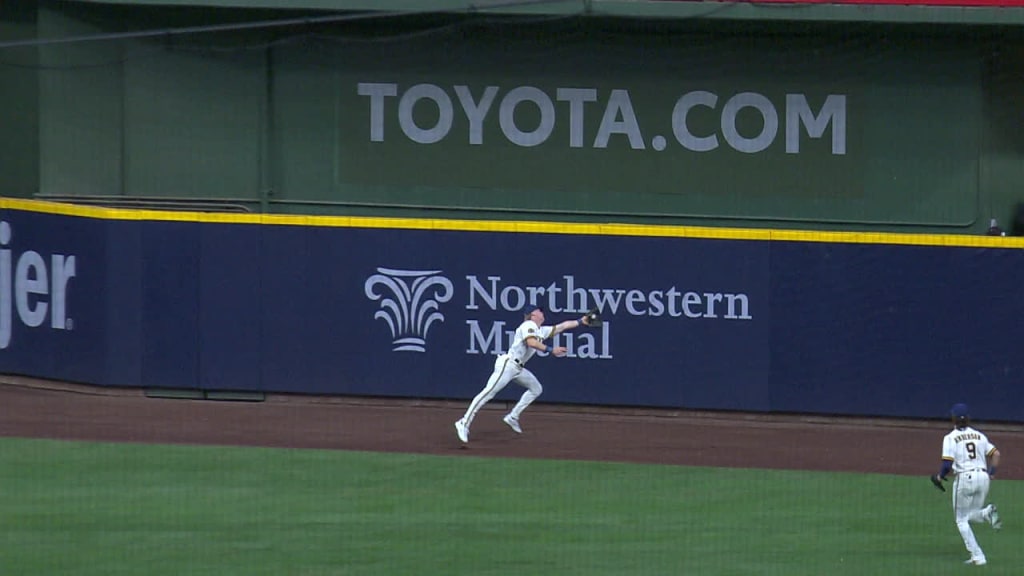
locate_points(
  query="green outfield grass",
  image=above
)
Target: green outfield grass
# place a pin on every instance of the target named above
(142, 510)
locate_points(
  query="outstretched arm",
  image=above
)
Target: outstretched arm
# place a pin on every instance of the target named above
(569, 325)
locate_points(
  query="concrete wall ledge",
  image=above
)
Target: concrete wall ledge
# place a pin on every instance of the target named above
(941, 13)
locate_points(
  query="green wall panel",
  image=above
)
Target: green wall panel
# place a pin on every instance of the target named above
(893, 162)
(306, 137)
(193, 122)
(19, 114)
(1002, 161)
(81, 110)
(895, 127)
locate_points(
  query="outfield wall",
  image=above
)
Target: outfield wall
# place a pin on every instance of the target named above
(697, 318)
(766, 124)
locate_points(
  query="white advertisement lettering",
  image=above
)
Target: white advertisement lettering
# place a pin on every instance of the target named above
(613, 112)
(30, 290)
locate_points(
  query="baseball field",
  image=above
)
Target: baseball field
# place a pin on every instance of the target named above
(111, 482)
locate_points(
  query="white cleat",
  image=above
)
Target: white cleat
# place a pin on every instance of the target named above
(462, 431)
(993, 517)
(975, 561)
(513, 423)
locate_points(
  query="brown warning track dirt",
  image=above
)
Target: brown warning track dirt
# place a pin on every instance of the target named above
(44, 409)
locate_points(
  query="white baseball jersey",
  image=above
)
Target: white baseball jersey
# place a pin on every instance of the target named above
(519, 350)
(967, 449)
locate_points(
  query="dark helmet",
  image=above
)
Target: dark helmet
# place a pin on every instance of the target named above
(961, 415)
(529, 308)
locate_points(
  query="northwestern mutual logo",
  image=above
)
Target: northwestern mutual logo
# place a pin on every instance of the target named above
(409, 302)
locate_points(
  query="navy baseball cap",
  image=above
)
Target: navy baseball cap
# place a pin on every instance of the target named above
(529, 308)
(959, 410)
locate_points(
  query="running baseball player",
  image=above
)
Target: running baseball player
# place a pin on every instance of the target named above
(511, 366)
(972, 459)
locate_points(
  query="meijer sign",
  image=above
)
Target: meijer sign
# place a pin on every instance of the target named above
(30, 287)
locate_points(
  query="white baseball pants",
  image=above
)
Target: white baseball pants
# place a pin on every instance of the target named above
(505, 370)
(970, 489)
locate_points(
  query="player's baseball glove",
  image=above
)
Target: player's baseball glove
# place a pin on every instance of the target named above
(937, 482)
(593, 317)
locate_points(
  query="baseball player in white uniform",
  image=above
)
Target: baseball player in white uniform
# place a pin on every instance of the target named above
(972, 459)
(511, 366)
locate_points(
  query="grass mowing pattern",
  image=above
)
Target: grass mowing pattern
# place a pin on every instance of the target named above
(123, 509)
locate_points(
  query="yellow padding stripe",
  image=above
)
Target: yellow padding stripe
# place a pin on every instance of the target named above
(513, 227)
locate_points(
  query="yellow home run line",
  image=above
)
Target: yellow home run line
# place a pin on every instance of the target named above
(645, 230)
